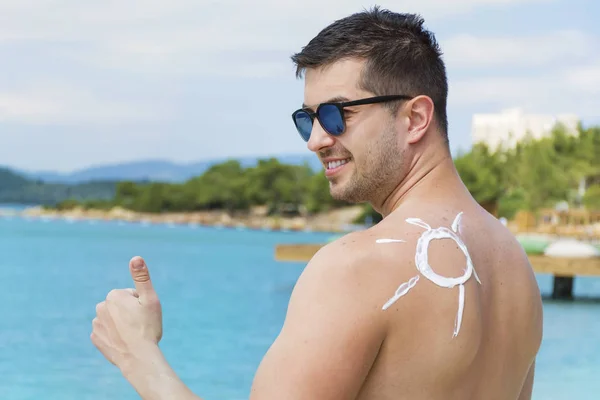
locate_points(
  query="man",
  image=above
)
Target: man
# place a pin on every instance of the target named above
(437, 301)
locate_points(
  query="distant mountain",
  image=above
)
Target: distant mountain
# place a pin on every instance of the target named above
(10, 180)
(18, 189)
(157, 170)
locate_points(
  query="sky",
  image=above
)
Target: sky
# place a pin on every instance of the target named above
(85, 83)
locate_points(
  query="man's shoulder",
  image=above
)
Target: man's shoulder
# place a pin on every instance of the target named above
(361, 252)
(394, 242)
(334, 325)
(379, 265)
(344, 260)
(359, 266)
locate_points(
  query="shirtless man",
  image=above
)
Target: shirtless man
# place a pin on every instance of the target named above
(437, 301)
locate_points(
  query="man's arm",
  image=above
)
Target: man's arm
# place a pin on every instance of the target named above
(330, 338)
(332, 332)
(153, 378)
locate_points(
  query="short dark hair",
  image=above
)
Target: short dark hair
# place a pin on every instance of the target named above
(402, 57)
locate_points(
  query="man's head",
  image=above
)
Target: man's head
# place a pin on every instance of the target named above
(370, 54)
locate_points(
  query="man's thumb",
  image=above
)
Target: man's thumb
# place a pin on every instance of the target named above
(141, 278)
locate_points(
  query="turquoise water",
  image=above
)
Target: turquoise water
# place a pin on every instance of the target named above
(224, 300)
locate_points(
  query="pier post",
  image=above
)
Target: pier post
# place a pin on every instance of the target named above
(563, 288)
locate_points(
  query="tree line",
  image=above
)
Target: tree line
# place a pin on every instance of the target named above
(227, 186)
(535, 174)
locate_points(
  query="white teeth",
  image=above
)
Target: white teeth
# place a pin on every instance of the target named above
(335, 164)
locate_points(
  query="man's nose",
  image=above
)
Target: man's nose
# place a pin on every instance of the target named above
(319, 139)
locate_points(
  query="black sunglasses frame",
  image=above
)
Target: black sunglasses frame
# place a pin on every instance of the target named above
(340, 106)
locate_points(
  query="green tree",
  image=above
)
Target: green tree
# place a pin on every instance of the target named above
(482, 173)
(222, 186)
(277, 185)
(126, 194)
(542, 174)
(591, 198)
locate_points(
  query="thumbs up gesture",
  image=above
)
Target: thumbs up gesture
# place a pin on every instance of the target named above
(129, 321)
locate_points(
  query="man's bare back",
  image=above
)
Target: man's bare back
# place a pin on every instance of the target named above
(346, 325)
(422, 356)
(372, 318)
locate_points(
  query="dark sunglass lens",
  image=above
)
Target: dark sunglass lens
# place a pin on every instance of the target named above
(331, 119)
(303, 123)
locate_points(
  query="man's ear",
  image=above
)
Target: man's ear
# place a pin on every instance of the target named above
(420, 116)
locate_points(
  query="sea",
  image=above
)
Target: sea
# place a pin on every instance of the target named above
(224, 300)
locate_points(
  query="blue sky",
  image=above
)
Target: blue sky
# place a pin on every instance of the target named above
(85, 83)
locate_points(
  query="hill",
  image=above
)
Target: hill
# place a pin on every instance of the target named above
(100, 182)
(16, 188)
(156, 170)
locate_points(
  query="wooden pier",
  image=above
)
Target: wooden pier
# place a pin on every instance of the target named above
(563, 269)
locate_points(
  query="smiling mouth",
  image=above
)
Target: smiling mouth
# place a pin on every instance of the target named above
(337, 163)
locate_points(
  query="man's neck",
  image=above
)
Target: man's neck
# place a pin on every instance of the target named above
(419, 180)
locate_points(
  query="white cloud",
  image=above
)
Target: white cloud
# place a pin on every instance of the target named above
(554, 72)
(541, 50)
(159, 36)
(180, 38)
(573, 89)
(585, 79)
(500, 91)
(48, 103)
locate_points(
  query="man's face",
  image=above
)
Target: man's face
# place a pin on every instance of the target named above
(369, 151)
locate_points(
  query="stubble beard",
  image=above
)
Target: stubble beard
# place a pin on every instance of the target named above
(376, 176)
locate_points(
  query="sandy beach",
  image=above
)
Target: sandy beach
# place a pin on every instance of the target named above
(338, 220)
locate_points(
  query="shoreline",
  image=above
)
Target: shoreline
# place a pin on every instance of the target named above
(334, 221)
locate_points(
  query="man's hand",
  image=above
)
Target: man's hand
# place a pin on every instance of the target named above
(129, 321)
(127, 329)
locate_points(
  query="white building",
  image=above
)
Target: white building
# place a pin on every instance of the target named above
(512, 125)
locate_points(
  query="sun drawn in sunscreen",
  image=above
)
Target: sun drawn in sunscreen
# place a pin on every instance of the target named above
(422, 264)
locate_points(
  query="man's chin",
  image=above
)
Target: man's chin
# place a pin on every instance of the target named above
(339, 193)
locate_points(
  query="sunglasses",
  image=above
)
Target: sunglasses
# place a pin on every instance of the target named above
(331, 115)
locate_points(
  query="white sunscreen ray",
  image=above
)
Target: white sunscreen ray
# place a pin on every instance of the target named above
(390, 241)
(455, 229)
(417, 221)
(422, 264)
(456, 222)
(401, 291)
(461, 307)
